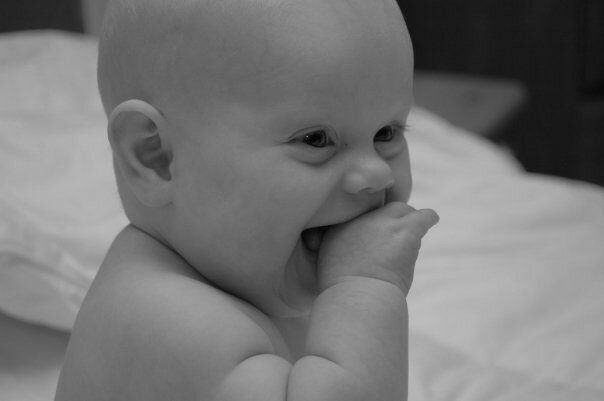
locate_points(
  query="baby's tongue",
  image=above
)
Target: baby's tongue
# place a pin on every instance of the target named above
(312, 238)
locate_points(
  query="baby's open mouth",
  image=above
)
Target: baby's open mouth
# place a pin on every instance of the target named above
(312, 238)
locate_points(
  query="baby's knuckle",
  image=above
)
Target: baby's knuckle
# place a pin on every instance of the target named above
(411, 239)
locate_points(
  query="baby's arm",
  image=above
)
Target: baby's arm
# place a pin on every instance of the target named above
(357, 341)
(149, 333)
(359, 326)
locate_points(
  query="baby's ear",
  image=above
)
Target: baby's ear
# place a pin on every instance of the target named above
(142, 151)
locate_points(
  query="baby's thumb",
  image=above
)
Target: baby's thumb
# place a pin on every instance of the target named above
(420, 221)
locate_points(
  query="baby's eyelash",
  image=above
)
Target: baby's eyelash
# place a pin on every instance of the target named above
(390, 132)
(317, 137)
(402, 128)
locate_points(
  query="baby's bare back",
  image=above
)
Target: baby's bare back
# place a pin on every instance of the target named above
(151, 328)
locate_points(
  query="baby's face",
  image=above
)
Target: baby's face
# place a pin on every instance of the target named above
(308, 132)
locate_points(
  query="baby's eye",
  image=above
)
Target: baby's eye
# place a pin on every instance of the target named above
(386, 134)
(318, 138)
(390, 140)
(315, 145)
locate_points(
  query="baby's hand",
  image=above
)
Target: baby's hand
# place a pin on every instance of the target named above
(382, 244)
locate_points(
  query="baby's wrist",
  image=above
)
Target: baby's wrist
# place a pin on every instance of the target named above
(389, 281)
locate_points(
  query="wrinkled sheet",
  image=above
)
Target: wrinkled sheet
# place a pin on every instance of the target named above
(508, 297)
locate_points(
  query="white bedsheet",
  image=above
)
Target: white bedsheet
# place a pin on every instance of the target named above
(508, 298)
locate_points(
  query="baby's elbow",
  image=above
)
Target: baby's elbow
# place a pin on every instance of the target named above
(262, 377)
(267, 377)
(314, 378)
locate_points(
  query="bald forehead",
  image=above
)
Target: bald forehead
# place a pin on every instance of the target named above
(237, 25)
(199, 45)
(261, 38)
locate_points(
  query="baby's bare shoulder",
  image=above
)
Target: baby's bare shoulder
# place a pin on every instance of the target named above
(153, 327)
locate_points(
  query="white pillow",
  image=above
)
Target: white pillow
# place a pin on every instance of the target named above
(59, 208)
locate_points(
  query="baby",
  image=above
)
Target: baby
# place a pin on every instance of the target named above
(259, 154)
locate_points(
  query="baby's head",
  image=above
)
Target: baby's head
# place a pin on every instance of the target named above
(237, 125)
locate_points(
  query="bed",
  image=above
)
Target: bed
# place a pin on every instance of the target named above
(508, 299)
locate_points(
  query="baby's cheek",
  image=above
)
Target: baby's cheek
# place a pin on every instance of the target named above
(401, 190)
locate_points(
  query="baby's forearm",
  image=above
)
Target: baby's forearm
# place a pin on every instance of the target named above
(357, 345)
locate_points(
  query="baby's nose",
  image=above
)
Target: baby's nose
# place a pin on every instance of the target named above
(368, 175)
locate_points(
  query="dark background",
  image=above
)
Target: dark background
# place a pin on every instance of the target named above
(555, 48)
(40, 14)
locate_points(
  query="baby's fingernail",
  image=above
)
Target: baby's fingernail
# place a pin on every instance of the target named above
(432, 215)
